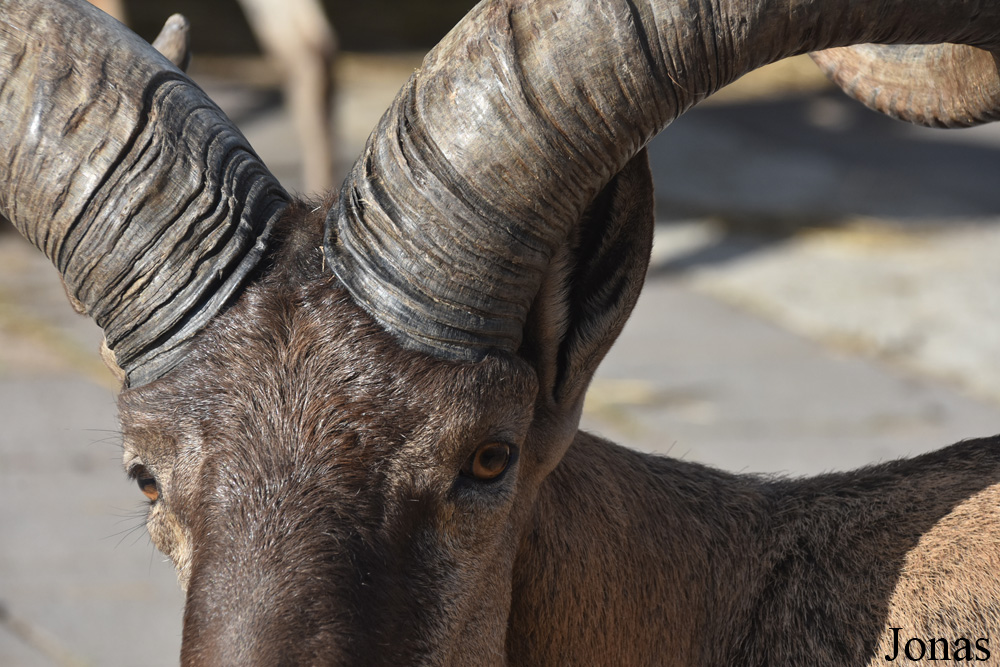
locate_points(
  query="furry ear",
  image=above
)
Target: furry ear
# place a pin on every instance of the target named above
(591, 288)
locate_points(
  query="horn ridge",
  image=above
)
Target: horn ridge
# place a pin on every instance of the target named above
(525, 110)
(149, 201)
(942, 85)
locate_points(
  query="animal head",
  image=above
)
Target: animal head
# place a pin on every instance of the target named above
(327, 452)
(342, 412)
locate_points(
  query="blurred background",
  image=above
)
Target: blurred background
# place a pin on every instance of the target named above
(822, 296)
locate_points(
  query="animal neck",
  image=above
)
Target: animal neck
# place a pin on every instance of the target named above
(629, 550)
(634, 559)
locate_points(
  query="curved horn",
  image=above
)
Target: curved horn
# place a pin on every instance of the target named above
(945, 85)
(526, 109)
(150, 203)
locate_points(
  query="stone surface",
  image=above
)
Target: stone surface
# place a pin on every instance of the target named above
(76, 564)
(701, 380)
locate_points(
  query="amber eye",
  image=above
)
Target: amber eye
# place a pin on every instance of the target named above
(488, 461)
(146, 482)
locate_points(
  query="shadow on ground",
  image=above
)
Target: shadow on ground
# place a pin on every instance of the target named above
(764, 170)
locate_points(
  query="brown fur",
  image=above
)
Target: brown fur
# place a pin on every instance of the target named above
(311, 498)
(303, 459)
(653, 561)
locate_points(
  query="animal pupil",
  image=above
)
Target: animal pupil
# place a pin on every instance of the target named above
(488, 462)
(147, 485)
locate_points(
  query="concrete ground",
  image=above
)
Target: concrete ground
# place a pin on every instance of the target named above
(821, 297)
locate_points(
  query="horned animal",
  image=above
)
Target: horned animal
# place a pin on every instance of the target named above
(356, 419)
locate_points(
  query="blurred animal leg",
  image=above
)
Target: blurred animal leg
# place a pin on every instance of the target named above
(297, 34)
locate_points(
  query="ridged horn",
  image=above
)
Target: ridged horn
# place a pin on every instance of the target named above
(150, 203)
(945, 85)
(514, 122)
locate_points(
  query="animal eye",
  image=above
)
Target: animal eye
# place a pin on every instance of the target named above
(146, 481)
(488, 461)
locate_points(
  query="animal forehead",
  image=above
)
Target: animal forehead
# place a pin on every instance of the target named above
(335, 364)
(296, 368)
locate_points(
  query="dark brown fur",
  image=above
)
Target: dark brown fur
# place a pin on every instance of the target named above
(312, 501)
(302, 459)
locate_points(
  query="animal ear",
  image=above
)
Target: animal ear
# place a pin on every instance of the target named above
(591, 287)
